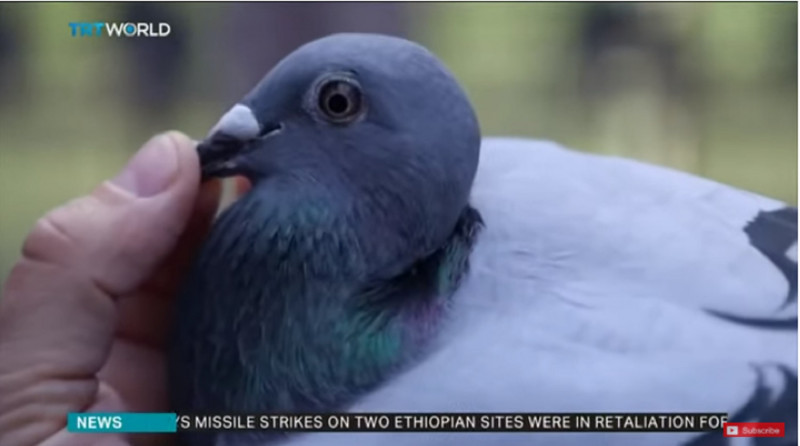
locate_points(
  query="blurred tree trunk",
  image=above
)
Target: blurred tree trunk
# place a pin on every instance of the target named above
(257, 35)
(640, 95)
(12, 79)
(156, 62)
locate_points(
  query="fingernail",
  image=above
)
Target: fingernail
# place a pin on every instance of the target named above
(152, 169)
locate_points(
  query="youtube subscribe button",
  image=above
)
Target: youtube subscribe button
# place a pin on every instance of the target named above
(754, 429)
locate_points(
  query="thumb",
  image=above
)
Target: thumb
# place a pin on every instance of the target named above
(57, 312)
(117, 235)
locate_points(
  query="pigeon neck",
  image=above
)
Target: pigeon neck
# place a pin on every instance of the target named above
(315, 326)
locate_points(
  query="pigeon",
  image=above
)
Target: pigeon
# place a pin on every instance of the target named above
(389, 258)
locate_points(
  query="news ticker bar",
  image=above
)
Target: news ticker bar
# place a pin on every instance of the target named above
(418, 422)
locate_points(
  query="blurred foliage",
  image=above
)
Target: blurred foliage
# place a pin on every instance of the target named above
(709, 88)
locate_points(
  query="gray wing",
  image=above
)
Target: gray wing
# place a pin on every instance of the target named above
(608, 285)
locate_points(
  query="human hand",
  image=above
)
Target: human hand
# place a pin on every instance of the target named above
(85, 311)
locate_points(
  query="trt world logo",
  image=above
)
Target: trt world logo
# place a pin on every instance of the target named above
(119, 29)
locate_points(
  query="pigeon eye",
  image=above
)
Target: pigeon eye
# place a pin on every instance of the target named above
(340, 101)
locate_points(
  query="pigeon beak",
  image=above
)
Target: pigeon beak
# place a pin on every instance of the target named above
(227, 139)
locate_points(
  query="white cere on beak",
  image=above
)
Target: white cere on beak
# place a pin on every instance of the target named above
(239, 122)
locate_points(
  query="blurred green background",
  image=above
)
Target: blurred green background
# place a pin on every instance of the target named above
(709, 88)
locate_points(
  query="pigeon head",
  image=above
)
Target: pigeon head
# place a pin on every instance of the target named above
(359, 117)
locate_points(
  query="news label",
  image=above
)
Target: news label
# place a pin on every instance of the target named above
(134, 422)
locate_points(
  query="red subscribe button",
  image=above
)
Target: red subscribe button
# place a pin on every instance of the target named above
(754, 429)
